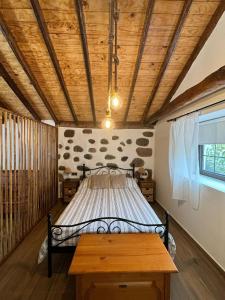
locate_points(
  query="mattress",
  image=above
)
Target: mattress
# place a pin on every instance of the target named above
(87, 204)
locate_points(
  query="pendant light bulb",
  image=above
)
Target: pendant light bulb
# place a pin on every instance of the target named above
(115, 101)
(107, 123)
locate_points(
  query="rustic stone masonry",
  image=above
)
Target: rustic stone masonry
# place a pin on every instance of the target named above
(96, 147)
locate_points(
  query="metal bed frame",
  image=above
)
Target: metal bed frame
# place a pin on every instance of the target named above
(107, 226)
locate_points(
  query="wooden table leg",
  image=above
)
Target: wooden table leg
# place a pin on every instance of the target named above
(167, 286)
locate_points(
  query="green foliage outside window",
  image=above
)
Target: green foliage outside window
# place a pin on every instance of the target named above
(212, 160)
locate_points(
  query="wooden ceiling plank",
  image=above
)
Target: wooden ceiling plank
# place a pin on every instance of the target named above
(21, 58)
(144, 35)
(169, 53)
(207, 32)
(211, 84)
(84, 42)
(18, 93)
(44, 30)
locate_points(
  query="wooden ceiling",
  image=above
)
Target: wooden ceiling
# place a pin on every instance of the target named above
(54, 55)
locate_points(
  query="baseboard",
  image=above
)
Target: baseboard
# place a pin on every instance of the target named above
(212, 259)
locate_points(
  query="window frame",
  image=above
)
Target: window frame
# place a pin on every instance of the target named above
(204, 172)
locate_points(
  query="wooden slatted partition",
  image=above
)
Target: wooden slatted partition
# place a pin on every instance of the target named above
(28, 176)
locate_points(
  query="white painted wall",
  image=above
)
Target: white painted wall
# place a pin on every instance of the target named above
(210, 58)
(48, 122)
(206, 225)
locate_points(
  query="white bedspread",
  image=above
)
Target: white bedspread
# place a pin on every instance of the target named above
(127, 203)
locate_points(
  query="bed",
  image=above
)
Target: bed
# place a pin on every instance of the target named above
(108, 210)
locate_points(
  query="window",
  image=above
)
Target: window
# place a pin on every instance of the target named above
(212, 160)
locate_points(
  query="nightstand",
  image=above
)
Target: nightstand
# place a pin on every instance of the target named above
(147, 187)
(70, 187)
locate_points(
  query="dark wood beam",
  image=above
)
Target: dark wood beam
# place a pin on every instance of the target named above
(6, 106)
(99, 125)
(84, 42)
(44, 30)
(169, 53)
(2, 105)
(144, 35)
(207, 32)
(18, 92)
(20, 57)
(211, 84)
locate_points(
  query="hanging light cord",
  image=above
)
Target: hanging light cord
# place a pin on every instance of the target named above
(110, 42)
(116, 59)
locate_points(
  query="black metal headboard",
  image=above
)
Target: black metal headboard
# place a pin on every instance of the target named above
(107, 169)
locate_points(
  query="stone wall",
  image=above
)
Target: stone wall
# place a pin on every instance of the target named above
(97, 147)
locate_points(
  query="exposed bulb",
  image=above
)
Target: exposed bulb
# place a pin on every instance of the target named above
(108, 123)
(115, 102)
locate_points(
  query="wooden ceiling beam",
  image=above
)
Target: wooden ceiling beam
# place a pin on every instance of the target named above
(20, 57)
(211, 84)
(2, 105)
(44, 30)
(84, 42)
(11, 83)
(99, 125)
(144, 35)
(169, 53)
(207, 32)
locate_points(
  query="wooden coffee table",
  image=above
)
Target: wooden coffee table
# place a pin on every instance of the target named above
(122, 266)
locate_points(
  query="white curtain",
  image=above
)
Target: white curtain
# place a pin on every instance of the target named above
(183, 159)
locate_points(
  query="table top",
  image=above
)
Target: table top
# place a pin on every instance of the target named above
(121, 253)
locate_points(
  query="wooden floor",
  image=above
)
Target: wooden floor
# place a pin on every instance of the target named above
(21, 277)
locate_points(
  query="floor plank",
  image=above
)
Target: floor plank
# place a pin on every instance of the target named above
(22, 279)
(198, 278)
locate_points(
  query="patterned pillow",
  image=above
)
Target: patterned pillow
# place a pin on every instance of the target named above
(100, 181)
(118, 181)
